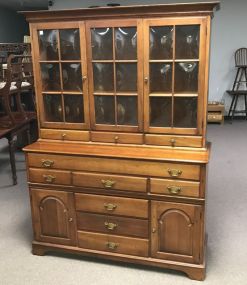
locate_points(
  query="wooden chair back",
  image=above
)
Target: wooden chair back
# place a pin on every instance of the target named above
(241, 57)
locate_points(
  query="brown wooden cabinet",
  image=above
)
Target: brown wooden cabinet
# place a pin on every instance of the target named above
(119, 170)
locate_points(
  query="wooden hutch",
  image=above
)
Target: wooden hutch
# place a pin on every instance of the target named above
(119, 170)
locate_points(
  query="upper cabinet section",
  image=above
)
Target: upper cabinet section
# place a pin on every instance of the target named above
(62, 67)
(115, 69)
(138, 71)
(174, 78)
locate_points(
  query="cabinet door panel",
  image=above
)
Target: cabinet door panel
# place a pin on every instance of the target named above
(54, 216)
(174, 60)
(61, 71)
(176, 231)
(115, 70)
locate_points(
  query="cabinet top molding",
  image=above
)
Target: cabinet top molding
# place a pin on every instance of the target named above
(158, 10)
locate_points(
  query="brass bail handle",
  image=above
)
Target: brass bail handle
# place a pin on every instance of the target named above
(108, 183)
(49, 178)
(110, 207)
(110, 226)
(174, 172)
(174, 189)
(112, 245)
(47, 163)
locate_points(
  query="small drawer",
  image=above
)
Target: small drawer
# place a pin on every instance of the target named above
(111, 243)
(49, 176)
(65, 135)
(117, 137)
(112, 205)
(110, 182)
(112, 225)
(215, 117)
(175, 141)
(175, 187)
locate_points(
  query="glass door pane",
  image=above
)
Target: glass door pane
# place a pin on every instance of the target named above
(172, 76)
(114, 69)
(61, 65)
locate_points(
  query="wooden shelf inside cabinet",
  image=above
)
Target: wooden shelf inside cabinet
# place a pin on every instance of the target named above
(216, 113)
(122, 154)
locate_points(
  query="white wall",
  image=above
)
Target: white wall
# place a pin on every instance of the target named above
(12, 26)
(229, 32)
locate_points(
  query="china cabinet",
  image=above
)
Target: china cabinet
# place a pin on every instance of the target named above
(119, 170)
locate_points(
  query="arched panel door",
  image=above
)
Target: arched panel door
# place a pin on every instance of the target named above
(176, 231)
(54, 216)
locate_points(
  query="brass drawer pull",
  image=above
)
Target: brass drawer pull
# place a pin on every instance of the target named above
(112, 245)
(174, 172)
(47, 163)
(49, 178)
(110, 226)
(174, 189)
(110, 207)
(108, 183)
(172, 141)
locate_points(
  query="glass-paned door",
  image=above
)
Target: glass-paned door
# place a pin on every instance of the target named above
(172, 75)
(62, 75)
(117, 75)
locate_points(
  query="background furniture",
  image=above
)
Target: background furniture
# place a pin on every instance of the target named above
(240, 83)
(122, 154)
(14, 120)
(216, 112)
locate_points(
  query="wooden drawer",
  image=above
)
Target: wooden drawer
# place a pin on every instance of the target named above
(109, 181)
(191, 141)
(111, 243)
(112, 225)
(215, 117)
(112, 205)
(114, 165)
(65, 135)
(117, 137)
(175, 187)
(49, 176)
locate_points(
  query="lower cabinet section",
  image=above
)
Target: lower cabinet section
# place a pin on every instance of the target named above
(54, 217)
(176, 231)
(112, 243)
(157, 231)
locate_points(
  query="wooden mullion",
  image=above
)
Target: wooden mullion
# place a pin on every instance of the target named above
(60, 73)
(173, 72)
(114, 74)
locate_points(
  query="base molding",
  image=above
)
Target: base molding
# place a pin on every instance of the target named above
(193, 271)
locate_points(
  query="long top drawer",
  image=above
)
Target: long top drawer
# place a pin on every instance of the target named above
(113, 165)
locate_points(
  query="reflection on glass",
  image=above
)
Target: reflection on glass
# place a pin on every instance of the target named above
(104, 110)
(48, 44)
(72, 77)
(70, 44)
(126, 43)
(73, 105)
(161, 42)
(127, 110)
(186, 77)
(126, 76)
(187, 41)
(103, 76)
(160, 111)
(160, 77)
(185, 112)
(102, 43)
(53, 108)
(50, 76)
